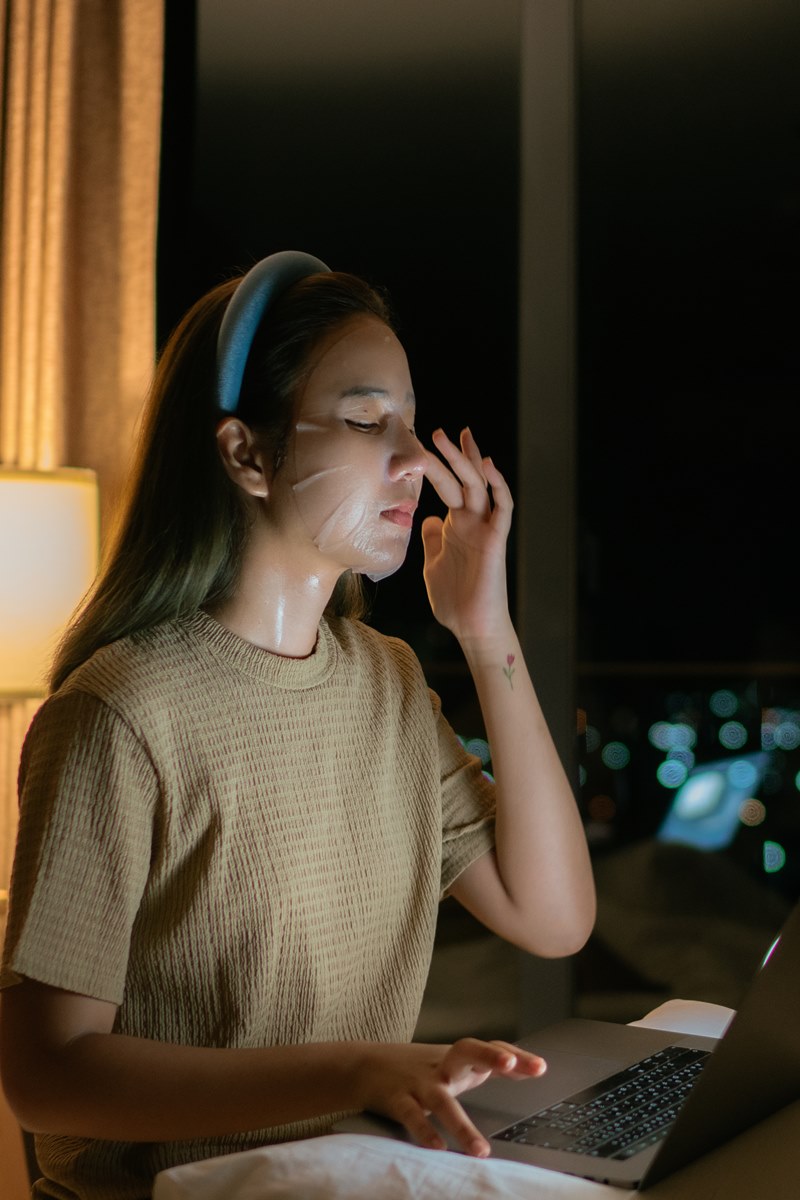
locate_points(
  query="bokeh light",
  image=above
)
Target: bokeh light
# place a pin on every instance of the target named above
(668, 735)
(733, 735)
(602, 808)
(593, 739)
(774, 857)
(723, 703)
(671, 774)
(752, 812)
(616, 755)
(659, 735)
(787, 735)
(780, 729)
(480, 748)
(681, 755)
(743, 774)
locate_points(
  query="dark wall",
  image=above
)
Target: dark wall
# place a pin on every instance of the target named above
(689, 137)
(384, 139)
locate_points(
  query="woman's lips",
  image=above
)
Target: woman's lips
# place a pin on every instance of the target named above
(401, 514)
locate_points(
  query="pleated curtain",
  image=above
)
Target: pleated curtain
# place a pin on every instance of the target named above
(81, 90)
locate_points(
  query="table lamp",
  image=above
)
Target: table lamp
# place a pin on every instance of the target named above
(48, 559)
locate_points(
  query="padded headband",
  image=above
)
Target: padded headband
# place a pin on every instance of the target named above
(259, 287)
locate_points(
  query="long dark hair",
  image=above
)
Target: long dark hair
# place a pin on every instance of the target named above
(183, 525)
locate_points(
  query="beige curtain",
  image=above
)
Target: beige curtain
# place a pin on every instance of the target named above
(79, 146)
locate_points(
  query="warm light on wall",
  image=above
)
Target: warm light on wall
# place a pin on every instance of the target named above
(48, 558)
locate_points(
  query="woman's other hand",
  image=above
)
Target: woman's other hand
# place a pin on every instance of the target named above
(412, 1083)
(465, 554)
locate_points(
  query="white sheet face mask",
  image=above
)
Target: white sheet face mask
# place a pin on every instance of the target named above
(355, 465)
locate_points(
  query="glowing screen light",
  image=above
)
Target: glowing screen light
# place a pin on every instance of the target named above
(733, 735)
(723, 703)
(616, 755)
(671, 774)
(700, 796)
(774, 857)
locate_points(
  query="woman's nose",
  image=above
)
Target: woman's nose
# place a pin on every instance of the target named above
(408, 456)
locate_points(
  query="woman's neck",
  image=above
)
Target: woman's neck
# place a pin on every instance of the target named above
(277, 604)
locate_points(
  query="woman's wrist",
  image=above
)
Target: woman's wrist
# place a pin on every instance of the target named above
(491, 644)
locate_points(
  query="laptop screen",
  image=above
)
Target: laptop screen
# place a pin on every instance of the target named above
(706, 811)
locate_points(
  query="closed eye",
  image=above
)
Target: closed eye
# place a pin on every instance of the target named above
(363, 426)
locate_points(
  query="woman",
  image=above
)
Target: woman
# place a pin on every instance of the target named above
(240, 805)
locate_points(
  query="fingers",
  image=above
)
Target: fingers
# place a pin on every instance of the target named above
(445, 484)
(471, 1057)
(431, 530)
(466, 464)
(439, 1103)
(526, 1064)
(452, 1117)
(466, 1064)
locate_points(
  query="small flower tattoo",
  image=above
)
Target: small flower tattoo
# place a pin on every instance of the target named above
(508, 669)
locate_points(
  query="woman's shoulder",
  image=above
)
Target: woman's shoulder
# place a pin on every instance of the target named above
(143, 667)
(360, 642)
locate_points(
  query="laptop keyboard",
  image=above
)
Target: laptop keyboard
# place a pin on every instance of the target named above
(621, 1115)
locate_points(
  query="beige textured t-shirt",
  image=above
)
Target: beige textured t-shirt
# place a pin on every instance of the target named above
(238, 850)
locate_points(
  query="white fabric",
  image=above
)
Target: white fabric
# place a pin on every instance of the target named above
(350, 1166)
(689, 1016)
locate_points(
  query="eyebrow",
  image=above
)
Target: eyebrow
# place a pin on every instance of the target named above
(364, 390)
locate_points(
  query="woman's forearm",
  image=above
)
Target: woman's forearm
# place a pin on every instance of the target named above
(131, 1089)
(541, 852)
(66, 1072)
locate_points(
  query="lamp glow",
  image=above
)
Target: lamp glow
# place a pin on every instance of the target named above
(48, 559)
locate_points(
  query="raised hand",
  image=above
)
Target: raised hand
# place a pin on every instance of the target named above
(465, 566)
(411, 1083)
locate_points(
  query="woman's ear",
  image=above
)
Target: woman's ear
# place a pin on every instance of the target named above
(241, 457)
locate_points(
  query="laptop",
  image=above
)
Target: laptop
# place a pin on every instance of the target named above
(666, 1098)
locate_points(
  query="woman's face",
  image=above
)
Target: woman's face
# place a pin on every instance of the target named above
(354, 467)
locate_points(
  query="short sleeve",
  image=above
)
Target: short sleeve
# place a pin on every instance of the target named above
(88, 795)
(468, 803)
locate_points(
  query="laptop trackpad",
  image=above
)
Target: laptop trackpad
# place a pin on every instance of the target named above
(498, 1101)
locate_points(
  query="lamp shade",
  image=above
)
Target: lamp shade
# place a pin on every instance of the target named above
(48, 559)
